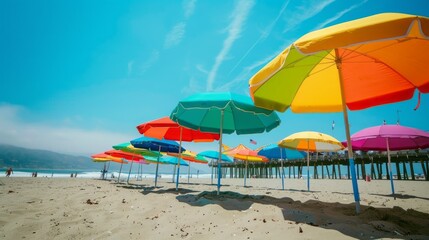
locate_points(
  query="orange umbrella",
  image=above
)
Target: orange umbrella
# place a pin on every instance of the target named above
(246, 154)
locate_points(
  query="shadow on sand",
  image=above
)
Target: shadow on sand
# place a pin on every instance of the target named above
(381, 222)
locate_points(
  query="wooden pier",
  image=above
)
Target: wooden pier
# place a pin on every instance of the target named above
(333, 167)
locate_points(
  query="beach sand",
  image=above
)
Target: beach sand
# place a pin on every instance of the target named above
(78, 208)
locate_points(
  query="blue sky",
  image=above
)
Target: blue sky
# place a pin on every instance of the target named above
(78, 76)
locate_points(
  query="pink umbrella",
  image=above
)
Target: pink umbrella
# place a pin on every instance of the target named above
(389, 137)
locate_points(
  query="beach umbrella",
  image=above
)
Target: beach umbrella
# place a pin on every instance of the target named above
(133, 157)
(223, 113)
(102, 157)
(273, 151)
(215, 155)
(311, 142)
(154, 144)
(390, 137)
(190, 157)
(356, 65)
(165, 128)
(127, 147)
(246, 154)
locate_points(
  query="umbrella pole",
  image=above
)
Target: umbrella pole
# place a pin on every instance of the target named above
(189, 169)
(283, 170)
(220, 152)
(120, 170)
(119, 177)
(212, 171)
(245, 174)
(174, 174)
(129, 173)
(349, 142)
(157, 165)
(104, 171)
(178, 160)
(308, 165)
(390, 169)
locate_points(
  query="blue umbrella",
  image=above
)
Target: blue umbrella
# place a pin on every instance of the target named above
(215, 155)
(273, 151)
(157, 145)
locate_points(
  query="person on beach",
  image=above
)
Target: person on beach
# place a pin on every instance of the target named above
(9, 171)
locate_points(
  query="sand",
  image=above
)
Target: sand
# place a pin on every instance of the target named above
(78, 208)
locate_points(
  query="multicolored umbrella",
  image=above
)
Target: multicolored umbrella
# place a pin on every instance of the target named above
(273, 151)
(223, 113)
(311, 142)
(390, 137)
(246, 154)
(323, 70)
(157, 145)
(165, 128)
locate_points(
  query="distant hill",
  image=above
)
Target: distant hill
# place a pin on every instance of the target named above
(18, 157)
(24, 158)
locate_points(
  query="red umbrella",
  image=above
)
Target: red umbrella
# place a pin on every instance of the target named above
(165, 128)
(126, 155)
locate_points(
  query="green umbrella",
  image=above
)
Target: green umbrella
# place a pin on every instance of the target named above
(127, 147)
(223, 113)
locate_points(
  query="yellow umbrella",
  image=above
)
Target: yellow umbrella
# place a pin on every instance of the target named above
(358, 64)
(311, 142)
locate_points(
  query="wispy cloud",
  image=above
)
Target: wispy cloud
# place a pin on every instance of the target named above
(338, 15)
(130, 67)
(239, 17)
(263, 35)
(14, 130)
(245, 74)
(175, 36)
(153, 58)
(189, 7)
(303, 13)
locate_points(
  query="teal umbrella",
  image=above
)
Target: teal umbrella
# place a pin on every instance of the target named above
(215, 155)
(223, 113)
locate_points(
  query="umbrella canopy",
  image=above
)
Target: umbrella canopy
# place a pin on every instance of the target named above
(127, 147)
(391, 47)
(322, 71)
(156, 144)
(203, 111)
(172, 160)
(400, 138)
(102, 157)
(273, 151)
(312, 142)
(223, 113)
(215, 155)
(244, 153)
(165, 128)
(190, 156)
(128, 156)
